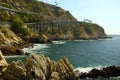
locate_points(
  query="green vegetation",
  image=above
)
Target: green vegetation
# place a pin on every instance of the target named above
(46, 12)
(5, 32)
(17, 26)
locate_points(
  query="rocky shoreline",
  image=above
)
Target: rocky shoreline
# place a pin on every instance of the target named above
(37, 67)
(14, 49)
(107, 72)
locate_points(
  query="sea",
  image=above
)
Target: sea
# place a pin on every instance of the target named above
(84, 55)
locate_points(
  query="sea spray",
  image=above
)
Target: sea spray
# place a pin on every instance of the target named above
(86, 69)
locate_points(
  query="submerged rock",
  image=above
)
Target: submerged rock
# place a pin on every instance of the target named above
(39, 67)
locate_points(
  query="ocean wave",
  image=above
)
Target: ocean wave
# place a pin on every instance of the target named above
(101, 78)
(81, 70)
(20, 56)
(86, 69)
(59, 42)
(36, 47)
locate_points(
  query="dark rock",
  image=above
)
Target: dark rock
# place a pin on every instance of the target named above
(111, 71)
(11, 50)
(26, 53)
(83, 75)
(19, 52)
(94, 73)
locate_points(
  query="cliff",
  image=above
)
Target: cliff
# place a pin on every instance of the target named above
(10, 43)
(82, 30)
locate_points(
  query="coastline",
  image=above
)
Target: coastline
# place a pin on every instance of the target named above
(99, 73)
(105, 72)
(109, 72)
(41, 68)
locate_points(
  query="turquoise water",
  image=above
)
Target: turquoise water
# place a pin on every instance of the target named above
(82, 54)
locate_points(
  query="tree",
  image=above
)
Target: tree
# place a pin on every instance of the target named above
(4, 15)
(18, 26)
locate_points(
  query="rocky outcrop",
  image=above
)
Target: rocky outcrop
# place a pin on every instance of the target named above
(39, 39)
(111, 71)
(15, 71)
(3, 64)
(10, 43)
(11, 50)
(39, 67)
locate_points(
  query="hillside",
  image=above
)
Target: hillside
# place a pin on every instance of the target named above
(16, 13)
(10, 43)
(44, 12)
(41, 12)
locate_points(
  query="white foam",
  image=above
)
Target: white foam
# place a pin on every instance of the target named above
(36, 47)
(86, 69)
(80, 40)
(59, 42)
(14, 56)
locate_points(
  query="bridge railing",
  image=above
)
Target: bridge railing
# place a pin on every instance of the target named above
(37, 26)
(17, 11)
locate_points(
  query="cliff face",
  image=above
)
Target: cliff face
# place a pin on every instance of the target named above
(82, 30)
(10, 43)
(6, 35)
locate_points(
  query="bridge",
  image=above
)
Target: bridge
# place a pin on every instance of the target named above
(17, 11)
(20, 12)
(38, 26)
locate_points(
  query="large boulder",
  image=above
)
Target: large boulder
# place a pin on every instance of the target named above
(107, 72)
(3, 64)
(38, 67)
(65, 70)
(15, 71)
(41, 68)
(2, 60)
(11, 50)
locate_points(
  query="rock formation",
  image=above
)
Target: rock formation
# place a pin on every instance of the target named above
(3, 64)
(38, 67)
(11, 43)
(15, 71)
(111, 71)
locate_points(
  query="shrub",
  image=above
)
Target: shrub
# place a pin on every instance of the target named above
(17, 25)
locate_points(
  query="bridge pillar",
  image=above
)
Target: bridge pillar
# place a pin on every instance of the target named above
(38, 27)
(41, 26)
